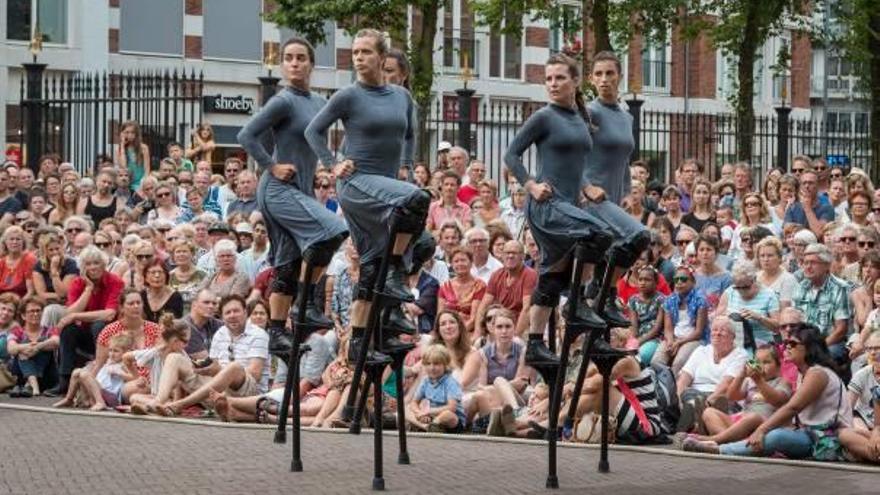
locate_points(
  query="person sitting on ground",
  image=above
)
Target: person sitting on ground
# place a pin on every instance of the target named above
(104, 389)
(174, 337)
(436, 405)
(32, 347)
(646, 313)
(685, 321)
(862, 441)
(762, 389)
(706, 377)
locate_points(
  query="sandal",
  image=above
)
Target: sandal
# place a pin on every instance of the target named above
(261, 415)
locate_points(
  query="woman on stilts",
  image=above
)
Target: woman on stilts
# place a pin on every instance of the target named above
(302, 231)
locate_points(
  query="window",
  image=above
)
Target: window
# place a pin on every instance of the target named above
(564, 27)
(51, 18)
(655, 68)
(151, 27)
(325, 53)
(505, 56)
(460, 49)
(838, 122)
(242, 17)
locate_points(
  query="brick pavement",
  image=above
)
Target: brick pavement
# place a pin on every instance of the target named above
(47, 453)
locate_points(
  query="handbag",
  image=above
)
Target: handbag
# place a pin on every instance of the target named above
(588, 429)
(7, 379)
(826, 443)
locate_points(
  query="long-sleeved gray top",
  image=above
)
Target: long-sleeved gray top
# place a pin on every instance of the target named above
(562, 141)
(286, 114)
(608, 161)
(379, 135)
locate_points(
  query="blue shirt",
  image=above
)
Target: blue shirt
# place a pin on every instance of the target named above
(440, 392)
(694, 303)
(763, 303)
(795, 213)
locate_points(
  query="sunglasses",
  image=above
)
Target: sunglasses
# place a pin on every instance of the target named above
(163, 195)
(103, 245)
(73, 230)
(144, 256)
(742, 287)
(836, 175)
(680, 279)
(791, 343)
(323, 186)
(752, 203)
(164, 230)
(746, 240)
(868, 244)
(847, 239)
(797, 170)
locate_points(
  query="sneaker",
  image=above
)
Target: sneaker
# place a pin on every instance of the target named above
(495, 428)
(27, 391)
(691, 444)
(280, 343)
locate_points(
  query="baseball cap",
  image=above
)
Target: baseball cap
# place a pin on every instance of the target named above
(244, 228)
(444, 146)
(218, 228)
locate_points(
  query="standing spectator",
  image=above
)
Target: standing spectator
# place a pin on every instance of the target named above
(449, 207)
(824, 300)
(246, 195)
(254, 259)
(808, 210)
(463, 292)
(158, 298)
(202, 147)
(476, 172)
(132, 154)
(92, 301)
(227, 279)
(17, 263)
(33, 347)
(511, 287)
(54, 272)
(485, 264)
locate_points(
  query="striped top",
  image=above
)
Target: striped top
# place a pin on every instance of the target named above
(644, 390)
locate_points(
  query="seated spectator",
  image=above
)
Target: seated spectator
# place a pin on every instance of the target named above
(463, 292)
(53, 272)
(511, 287)
(449, 239)
(685, 320)
(476, 172)
(32, 347)
(424, 309)
(166, 205)
(489, 197)
(761, 388)
(464, 360)
(66, 206)
(239, 364)
(706, 377)
(628, 284)
(158, 297)
(808, 211)
(817, 405)
(515, 216)
(227, 279)
(711, 280)
(497, 239)
(202, 323)
(255, 258)
(143, 255)
(106, 241)
(634, 204)
(485, 264)
(92, 301)
(104, 389)
(757, 306)
(9, 304)
(245, 198)
(645, 310)
(863, 384)
(823, 299)
(153, 360)
(771, 275)
(185, 278)
(449, 207)
(17, 263)
(436, 405)
(343, 283)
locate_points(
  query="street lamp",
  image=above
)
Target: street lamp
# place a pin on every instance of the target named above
(32, 102)
(269, 83)
(465, 102)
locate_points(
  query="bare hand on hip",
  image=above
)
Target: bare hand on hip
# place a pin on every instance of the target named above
(284, 171)
(344, 169)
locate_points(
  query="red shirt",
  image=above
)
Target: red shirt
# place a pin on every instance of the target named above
(467, 193)
(263, 282)
(509, 290)
(104, 296)
(626, 291)
(14, 278)
(152, 332)
(462, 302)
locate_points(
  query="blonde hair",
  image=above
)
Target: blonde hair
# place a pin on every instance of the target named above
(378, 36)
(122, 340)
(437, 354)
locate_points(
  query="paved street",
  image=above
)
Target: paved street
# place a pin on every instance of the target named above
(45, 453)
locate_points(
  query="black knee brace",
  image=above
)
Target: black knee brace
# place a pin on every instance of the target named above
(627, 252)
(320, 253)
(423, 250)
(363, 290)
(286, 281)
(410, 217)
(550, 285)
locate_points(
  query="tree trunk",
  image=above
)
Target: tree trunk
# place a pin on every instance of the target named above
(601, 29)
(744, 106)
(423, 75)
(874, 68)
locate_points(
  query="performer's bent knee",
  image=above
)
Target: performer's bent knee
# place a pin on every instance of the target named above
(320, 253)
(550, 285)
(363, 290)
(286, 279)
(410, 217)
(626, 252)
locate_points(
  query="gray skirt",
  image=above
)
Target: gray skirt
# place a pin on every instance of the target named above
(367, 201)
(295, 220)
(630, 236)
(557, 225)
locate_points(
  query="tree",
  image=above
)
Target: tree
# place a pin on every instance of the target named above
(856, 33)
(308, 16)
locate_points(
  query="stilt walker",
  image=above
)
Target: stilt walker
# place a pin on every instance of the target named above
(304, 234)
(570, 236)
(386, 217)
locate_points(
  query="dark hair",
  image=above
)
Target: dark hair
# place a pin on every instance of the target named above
(231, 298)
(173, 144)
(710, 224)
(449, 173)
(125, 293)
(251, 306)
(650, 269)
(575, 73)
(299, 40)
(814, 343)
(607, 56)
(28, 300)
(774, 353)
(172, 328)
(157, 262)
(403, 63)
(704, 239)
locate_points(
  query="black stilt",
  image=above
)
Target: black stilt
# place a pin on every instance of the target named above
(605, 357)
(378, 479)
(397, 366)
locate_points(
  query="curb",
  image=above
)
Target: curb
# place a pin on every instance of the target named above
(846, 467)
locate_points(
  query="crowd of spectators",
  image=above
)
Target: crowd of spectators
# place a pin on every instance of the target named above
(145, 290)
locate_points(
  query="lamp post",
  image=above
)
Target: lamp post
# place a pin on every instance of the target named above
(268, 88)
(32, 103)
(782, 123)
(635, 109)
(465, 102)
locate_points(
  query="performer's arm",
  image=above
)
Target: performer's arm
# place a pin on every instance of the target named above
(531, 132)
(316, 132)
(249, 136)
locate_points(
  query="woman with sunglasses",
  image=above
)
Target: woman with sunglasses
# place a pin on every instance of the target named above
(685, 321)
(166, 206)
(104, 241)
(298, 225)
(754, 213)
(754, 304)
(324, 192)
(141, 256)
(817, 410)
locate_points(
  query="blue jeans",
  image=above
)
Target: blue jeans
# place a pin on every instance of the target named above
(794, 444)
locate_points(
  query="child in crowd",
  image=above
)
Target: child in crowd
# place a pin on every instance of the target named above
(104, 390)
(175, 336)
(762, 388)
(436, 405)
(645, 314)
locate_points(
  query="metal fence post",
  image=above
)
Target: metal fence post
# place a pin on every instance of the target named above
(34, 115)
(635, 109)
(465, 102)
(782, 114)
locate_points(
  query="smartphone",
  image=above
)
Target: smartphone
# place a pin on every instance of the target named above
(201, 363)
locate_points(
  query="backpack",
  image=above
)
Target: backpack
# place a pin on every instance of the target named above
(667, 397)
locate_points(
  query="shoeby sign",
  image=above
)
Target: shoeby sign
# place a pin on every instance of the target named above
(228, 104)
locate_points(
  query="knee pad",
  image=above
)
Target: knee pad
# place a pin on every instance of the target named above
(627, 252)
(410, 217)
(363, 291)
(286, 281)
(550, 285)
(593, 249)
(320, 253)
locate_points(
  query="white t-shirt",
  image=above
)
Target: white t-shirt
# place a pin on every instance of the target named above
(252, 343)
(707, 373)
(485, 272)
(109, 380)
(863, 384)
